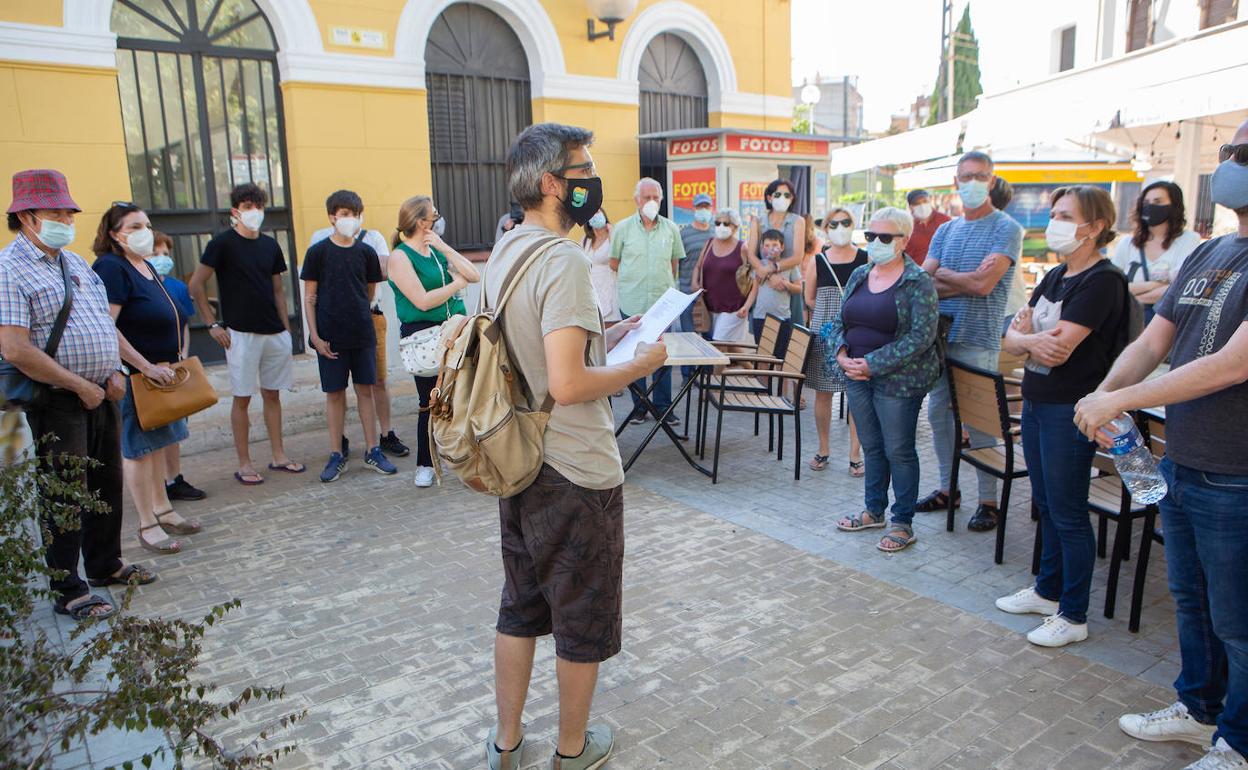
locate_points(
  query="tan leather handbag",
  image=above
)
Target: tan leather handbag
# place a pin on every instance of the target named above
(158, 405)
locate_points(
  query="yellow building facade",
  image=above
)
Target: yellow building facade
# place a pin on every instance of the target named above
(351, 96)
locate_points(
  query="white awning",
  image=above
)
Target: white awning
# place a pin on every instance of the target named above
(911, 147)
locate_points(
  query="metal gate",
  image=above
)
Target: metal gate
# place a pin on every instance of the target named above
(477, 78)
(202, 113)
(673, 95)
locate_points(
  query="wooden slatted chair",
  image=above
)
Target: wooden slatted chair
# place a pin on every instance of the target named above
(979, 400)
(766, 354)
(1154, 430)
(772, 403)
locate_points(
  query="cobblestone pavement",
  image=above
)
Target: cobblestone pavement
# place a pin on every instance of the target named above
(754, 636)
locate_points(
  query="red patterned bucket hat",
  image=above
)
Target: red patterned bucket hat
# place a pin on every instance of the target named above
(40, 188)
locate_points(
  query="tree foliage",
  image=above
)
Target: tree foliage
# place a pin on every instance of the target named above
(966, 85)
(127, 672)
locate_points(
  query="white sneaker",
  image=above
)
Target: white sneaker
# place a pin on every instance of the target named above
(1173, 723)
(424, 476)
(1057, 631)
(1220, 757)
(1025, 602)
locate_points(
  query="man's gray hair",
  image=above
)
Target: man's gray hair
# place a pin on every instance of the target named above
(730, 214)
(541, 148)
(975, 156)
(645, 180)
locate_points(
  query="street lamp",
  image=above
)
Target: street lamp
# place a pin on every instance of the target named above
(609, 12)
(810, 97)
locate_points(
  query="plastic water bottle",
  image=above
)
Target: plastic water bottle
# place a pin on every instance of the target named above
(1135, 462)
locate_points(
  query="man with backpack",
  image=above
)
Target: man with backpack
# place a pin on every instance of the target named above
(563, 535)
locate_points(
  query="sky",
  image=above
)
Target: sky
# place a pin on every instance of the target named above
(893, 46)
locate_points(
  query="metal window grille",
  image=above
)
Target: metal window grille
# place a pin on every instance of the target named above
(673, 96)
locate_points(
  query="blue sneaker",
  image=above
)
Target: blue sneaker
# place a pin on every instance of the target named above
(334, 468)
(379, 462)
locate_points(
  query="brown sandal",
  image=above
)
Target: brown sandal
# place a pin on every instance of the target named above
(186, 527)
(168, 545)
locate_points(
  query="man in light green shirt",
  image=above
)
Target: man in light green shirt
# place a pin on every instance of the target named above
(646, 251)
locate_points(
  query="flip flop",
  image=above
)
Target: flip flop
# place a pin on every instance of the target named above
(242, 479)
(142, 576)
(289, 467)
(82, 612)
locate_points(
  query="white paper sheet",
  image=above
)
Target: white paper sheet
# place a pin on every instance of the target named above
(656, 321)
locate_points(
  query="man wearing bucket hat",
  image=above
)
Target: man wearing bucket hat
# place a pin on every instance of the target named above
(83, 378)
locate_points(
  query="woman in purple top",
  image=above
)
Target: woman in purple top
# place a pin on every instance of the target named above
(716, 274)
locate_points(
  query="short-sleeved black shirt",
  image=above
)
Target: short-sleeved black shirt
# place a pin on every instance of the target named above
(1095, 298)
(148, 319)
(245, 268)
(342, 276)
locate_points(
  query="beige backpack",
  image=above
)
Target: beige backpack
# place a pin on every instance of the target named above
(480, 424)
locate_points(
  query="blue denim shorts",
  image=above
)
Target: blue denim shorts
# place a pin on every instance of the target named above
(136, 442)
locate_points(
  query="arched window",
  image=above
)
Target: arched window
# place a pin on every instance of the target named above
(673, 95)
(202, 113)
(477, 78)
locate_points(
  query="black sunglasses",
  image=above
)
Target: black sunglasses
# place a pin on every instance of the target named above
(780, 194)
(834, 223)
(885, 238)
(1237, 151)
(725, 223)
(124, 205)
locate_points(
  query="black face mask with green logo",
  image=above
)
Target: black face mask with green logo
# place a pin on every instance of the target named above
(584, 198)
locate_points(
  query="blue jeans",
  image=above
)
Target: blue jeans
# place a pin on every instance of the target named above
(1059, 462)
(1205, 518)
(662, 393)
(946, 435)
(886, 427)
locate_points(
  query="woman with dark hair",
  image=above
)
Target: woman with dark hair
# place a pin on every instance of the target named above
(1153, 254)
(778, 198)
(150, 323)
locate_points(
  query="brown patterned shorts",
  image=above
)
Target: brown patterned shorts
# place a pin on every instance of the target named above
(563, 561)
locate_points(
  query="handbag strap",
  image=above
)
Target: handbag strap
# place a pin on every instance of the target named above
(1144, 264)
(62, 317)
(177, 314)
(835, 277)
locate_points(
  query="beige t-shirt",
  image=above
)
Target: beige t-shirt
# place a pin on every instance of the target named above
(555, 293)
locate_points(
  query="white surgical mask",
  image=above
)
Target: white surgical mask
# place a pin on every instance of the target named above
(439, 227)
(1061, 238)
(923, 211)
(55, 235)
(598, 221)
(141, 242)
(881, 253)
(251, 218)
(347, 227)
(840, 236)
(722, 232)
(973, 193)
(702, 216)
(781, 204)
(650, 209)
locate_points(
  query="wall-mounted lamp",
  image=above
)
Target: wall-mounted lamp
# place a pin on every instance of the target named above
(609, 12)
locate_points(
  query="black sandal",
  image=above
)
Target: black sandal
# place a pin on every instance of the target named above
(937, 501)
(142, 576)
(82, 612)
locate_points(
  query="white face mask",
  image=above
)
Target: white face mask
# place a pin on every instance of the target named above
(722, 232)
(141, 242)
(923, 211)
(1061, 238)
(780, 204)
(881, 253)
(347, 227)
(251, 218)
(650, 209)
(840, 236)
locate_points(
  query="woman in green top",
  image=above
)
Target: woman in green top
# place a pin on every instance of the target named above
(426, 276)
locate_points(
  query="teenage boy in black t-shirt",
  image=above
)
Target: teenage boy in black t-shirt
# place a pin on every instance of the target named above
(340, 276)
(253, 328)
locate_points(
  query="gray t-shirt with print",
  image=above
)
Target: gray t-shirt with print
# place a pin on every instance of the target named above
(1207, 303)
(553, 294)
(776, 301)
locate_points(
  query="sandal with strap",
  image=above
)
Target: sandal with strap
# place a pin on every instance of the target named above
(142, 576)
(856, 469)
(861, 521)
(898, 539)
(819, 463)
(185, 527)
(82, 612)
(168, 545)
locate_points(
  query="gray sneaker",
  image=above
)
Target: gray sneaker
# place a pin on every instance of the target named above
(599, 740)
(502, 760)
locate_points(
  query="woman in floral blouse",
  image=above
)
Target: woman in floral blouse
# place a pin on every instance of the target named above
(884, 339)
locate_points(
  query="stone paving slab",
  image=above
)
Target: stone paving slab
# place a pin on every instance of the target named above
(753, 638)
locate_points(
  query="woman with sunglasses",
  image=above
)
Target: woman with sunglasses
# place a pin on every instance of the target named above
(825, 279)
(778, 198)
(427, 276)
(884, 339)
(716, 273)
(151, 324)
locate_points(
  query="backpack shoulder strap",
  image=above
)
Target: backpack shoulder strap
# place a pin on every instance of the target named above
(512, 279)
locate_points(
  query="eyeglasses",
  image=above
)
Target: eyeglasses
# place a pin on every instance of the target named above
(724, 223)
(835, 223)
(885, 238)
(590, 167)
(985, 176)
(1237, 151)
(781, 195)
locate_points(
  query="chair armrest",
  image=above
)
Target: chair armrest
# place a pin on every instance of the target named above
(1015, 398)
(725, 344)
(1016, 382)
(753, 358)
(761, 373)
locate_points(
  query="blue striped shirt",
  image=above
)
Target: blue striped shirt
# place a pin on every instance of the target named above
(961, 245)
